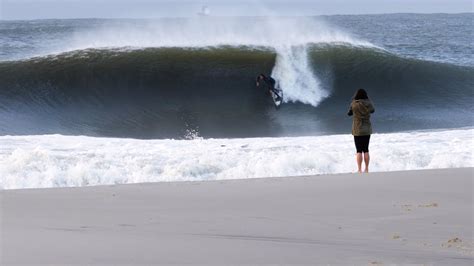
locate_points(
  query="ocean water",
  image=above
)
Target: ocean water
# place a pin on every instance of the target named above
(101, 101)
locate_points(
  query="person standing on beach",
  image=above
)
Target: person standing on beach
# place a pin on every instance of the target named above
(361, 107)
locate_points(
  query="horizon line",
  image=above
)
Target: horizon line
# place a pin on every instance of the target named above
(239, 16)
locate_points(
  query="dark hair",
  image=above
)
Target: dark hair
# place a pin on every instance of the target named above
(360, 95)
(260, 77)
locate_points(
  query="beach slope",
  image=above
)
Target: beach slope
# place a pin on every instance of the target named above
(421, 217)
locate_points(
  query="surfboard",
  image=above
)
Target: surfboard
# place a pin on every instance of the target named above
(277, 100)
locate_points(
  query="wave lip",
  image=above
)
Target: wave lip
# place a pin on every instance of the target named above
(212, 32)
(74, 161)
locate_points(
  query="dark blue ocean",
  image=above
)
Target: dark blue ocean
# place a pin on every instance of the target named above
(165, 78)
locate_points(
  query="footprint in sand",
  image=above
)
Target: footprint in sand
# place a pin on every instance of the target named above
(460, 245)
(455, 242)
(431, 205)
(376, 263)
(410, 207)
(406, 207)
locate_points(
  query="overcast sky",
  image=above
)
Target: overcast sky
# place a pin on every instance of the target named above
(40, 9)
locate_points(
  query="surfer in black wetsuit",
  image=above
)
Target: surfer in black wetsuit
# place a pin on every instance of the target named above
(270, 82)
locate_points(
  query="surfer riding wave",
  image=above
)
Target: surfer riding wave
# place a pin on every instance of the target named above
(270, 85)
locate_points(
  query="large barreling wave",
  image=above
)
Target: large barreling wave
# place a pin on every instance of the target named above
(173, 79)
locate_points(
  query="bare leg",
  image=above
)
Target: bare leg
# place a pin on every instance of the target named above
(366, 160)
(359, 162)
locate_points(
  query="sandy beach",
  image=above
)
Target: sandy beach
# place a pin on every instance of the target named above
(420, 217)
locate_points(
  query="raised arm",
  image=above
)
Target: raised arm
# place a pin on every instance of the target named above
(350, 113)
(371, 108)
(257, 80)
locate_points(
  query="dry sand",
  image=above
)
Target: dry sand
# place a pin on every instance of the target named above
(422, 217)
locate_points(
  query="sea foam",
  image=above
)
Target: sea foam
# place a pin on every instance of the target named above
(75, 161)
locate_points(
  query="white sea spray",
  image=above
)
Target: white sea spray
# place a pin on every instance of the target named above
(75, 161)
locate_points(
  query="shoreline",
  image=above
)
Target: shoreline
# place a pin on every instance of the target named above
(191, 182)
(421, 216)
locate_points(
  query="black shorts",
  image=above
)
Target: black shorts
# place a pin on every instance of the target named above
(362, 143)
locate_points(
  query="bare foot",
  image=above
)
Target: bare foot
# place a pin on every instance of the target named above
(366, 171)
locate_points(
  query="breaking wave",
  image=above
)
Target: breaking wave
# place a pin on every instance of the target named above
(165, 92)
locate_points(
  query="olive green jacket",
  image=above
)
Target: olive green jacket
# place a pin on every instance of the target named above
(361, 109)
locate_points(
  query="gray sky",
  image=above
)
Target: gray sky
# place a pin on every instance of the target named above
(40, 9)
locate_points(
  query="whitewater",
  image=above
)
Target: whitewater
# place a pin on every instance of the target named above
(76, 161)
